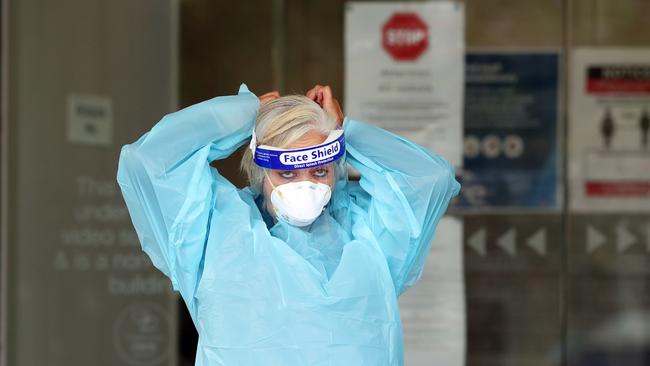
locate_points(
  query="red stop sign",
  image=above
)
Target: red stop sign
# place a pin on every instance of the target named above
(405, 36)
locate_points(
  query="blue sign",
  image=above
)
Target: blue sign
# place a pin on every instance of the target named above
(511, 122)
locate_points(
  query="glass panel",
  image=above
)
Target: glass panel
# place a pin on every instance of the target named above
(555, 206)
(85, 78)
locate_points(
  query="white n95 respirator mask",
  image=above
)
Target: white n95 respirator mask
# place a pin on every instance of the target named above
(300, 203)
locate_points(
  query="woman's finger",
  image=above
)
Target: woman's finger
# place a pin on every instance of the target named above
(330, 104)
(267, 97)
(327, 99)
(270, 94)
(327, 93)
(339, 111)
(311, 94)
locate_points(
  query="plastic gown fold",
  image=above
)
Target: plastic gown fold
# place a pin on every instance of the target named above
(266, 293)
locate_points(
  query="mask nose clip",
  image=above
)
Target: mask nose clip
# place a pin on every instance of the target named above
(253, 144)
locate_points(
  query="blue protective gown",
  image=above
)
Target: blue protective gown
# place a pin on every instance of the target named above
(264, 293)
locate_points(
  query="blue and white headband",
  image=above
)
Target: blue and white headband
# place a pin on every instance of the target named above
(287, 159)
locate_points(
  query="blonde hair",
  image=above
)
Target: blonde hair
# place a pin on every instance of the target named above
(280, 123)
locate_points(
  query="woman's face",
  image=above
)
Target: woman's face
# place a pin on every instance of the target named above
(321, 174)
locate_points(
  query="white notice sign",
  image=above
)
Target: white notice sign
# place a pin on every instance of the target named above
(609, 130)
(90, 119)
(404, 70)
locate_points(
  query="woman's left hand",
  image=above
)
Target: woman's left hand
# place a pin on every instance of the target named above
(323, 96)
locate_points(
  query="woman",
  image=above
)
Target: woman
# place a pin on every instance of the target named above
(302, 267)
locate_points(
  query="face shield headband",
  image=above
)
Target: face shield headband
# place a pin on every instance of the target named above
(287, 159)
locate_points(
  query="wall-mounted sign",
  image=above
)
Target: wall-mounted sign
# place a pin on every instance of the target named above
(90, 119)
(510, 145)
(404, 70)
(609, 129)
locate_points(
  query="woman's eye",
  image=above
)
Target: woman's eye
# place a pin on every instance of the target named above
(287, 175)
(320, 173)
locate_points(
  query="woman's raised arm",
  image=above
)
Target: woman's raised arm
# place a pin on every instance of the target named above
(169, 186)
(404, 189)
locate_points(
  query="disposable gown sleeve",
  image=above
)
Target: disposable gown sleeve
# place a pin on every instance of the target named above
(405, 189)
(169, 186)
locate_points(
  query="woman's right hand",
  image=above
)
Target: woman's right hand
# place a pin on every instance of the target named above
(265, 98)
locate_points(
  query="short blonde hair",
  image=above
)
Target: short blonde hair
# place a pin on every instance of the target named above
(280, 123)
